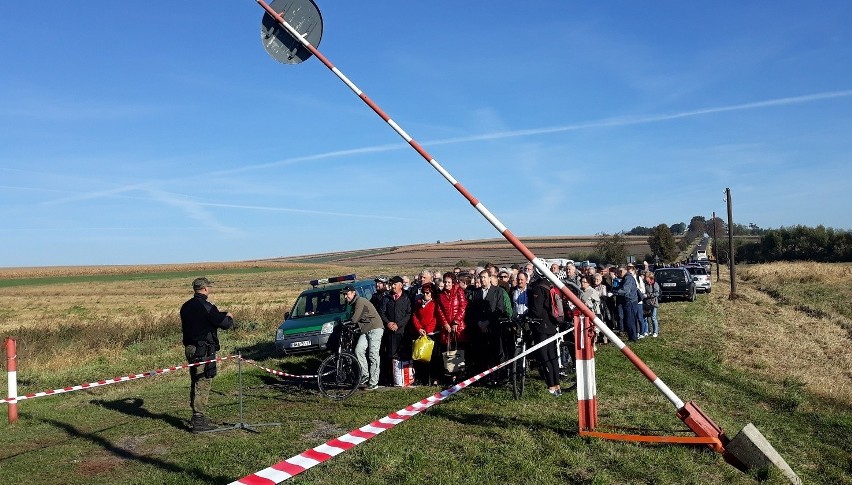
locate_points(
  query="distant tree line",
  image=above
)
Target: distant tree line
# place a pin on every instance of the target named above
(820, 243)
(783, 244)
(799, 242)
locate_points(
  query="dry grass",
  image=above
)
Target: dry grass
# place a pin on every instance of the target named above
(133, 301)
(780, 339)
(797, 272)
(62, 326)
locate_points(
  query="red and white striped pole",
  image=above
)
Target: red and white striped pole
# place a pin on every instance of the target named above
(12, 374)
(584, 351)
(700, 429)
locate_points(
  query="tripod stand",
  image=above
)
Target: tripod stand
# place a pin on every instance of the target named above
(241, 424)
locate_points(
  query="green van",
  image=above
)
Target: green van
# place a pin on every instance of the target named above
(318, 310)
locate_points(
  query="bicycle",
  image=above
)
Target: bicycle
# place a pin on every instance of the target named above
(516, 332)
(340, 374)
(565, 349)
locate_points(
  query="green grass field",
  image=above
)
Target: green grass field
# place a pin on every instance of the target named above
(136, 432)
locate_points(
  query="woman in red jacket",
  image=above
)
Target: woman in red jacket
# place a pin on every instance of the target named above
(451, 306)
(425, 323)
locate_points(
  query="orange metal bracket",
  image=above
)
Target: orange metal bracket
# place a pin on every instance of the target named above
(640, 438)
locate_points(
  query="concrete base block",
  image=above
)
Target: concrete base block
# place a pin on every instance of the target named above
(751, 448)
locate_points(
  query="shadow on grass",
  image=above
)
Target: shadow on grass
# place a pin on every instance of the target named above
(491, 421)
(48, 445)
(258, 351)
(133, 407)
(288, 387)
(126, 454)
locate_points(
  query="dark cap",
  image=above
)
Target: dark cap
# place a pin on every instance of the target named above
(199, 283)
(396, 279)
(348, 288)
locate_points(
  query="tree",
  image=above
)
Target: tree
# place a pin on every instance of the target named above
(662, 243)
(695, 229)
(678, 228)
(823, 244)
(716, 223)
(612, 248)
(696, 224)
(639, 231)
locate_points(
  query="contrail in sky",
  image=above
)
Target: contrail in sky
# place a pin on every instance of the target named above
(302, 211)
(605, 123)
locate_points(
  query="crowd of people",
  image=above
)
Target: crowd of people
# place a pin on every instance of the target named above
(459, 309)
(469, 309)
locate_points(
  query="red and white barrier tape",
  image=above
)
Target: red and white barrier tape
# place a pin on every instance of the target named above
(114, 380)
(280, 373)
(295, 465)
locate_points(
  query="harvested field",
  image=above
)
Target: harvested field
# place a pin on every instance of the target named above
(447, 254)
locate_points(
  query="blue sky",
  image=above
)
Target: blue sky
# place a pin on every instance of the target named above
(162, 132)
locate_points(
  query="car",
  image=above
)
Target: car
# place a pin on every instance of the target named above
(675, 283)
(317, 312)
(701, 277)
(585, 264)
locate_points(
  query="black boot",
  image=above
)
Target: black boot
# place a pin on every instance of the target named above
(200, 424)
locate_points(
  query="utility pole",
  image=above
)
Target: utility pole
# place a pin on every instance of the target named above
(715, 246)
(731, 251)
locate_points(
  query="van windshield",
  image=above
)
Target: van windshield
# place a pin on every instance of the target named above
(319, 303)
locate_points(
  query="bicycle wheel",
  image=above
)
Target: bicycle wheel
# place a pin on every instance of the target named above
(339, 376)
(566, 363)
(519, 371)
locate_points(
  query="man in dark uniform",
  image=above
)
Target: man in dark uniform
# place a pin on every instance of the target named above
(200, 321)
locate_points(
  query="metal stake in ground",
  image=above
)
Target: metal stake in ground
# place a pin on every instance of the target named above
(12, 381)
(689, 413)
(240, 424)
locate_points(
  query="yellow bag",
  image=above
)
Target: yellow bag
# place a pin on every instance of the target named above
(423, 349)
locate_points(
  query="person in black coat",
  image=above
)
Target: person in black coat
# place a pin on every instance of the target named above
(484, 313)
(544, 325)
(396, 316)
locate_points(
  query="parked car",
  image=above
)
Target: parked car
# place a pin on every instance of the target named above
(309, 325)
(701, 277)
(675, 283)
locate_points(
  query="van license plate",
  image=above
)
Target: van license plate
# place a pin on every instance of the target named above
(303, 343)
(669, 284)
